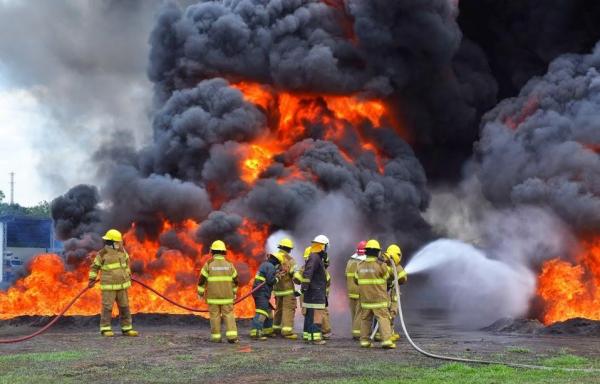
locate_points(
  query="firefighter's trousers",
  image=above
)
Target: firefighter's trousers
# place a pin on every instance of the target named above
(355, 311)
(284, 314)
(383, 318)
(313, 320)
(262, 323)
(108, 300)
(220, 313)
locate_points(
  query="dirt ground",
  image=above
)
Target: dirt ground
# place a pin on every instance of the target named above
(182, 353)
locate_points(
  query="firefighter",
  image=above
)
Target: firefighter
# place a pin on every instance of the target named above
(353, 288)
(372, 276)
(285, 292)
(115, 279)
(314, 285)
(393, 254)
(262, 323)
(218, 284)
(298, 279)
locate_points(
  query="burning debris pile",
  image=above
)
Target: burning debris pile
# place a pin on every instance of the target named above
(316, 117)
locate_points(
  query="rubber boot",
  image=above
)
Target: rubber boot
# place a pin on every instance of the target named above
(291, 336)
(131, 333)
(395, 337)
(107, 333)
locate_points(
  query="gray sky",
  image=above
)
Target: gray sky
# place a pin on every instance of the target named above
(72, 74)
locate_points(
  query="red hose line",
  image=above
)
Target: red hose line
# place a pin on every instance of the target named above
(83, 291)
(50, 324)
(189, 308)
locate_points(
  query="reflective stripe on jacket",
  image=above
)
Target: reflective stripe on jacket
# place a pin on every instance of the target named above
(267, 273)
(372, 278)
(285, 285)
(113, 265)
(218, 281)
(350, 284)
(314, 282)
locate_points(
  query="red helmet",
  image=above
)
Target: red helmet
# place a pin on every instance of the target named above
(360, 248)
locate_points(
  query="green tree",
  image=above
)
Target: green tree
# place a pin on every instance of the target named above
(2, 196)
(41, 209)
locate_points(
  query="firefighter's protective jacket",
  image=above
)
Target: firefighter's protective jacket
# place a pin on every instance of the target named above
(267, 272)
(372, 277)
(351, 286)
(314, 282)
(285, 285)
(218, 281)
(114, 266)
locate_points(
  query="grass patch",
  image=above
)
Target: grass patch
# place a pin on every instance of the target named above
(522, 350)
(41, 357)
(565, 361)
(461, 373)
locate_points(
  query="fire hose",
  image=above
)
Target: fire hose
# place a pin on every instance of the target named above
(463, 359)
(144, 285)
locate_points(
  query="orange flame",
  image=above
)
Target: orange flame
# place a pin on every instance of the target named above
(291, 114)
(571, 290)
(51, 285)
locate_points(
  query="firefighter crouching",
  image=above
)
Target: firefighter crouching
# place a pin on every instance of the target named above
(115, 279)
(352, 288)
(393, 254)
(314, 285)
(372, 276)
(285, 292)
(218, 284)
(262, 323)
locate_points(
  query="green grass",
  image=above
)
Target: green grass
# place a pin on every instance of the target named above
(518, 350)
(461, 373)
(41, 357)
(278, 364)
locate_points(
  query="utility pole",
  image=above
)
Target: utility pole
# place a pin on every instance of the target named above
(12, 188)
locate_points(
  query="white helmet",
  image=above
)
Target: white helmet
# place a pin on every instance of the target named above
(321, 239)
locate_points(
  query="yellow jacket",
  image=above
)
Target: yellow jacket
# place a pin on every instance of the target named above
(114, 264)
(372, 276)
(218, 281)
(285, 285)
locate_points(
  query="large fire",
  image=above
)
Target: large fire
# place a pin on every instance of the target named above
(572, 290)
(50, 284)
(293, 114)
(292, 117)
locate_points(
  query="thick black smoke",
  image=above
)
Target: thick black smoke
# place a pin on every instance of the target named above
(407, 51)
(76, 212)
(202, 126)
(520, 38)
(542, 147)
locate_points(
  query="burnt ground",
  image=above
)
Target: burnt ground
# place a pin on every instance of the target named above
(175, 349)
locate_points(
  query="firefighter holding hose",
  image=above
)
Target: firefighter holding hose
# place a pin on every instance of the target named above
(268, 275)
(372, 277)
(352, 288)
(112, 262)
(285, 292)
(393, 254)
(218, 284)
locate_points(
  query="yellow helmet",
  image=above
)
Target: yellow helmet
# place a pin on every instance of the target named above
(113, 235)
(373, 244)
(395, 253)
(286, 243)
(218, 245)
(307, 252)
(279, 256)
